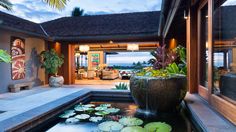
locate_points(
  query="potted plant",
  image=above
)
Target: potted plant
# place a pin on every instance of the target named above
(4, 56)
(162, 87)
(51, 61)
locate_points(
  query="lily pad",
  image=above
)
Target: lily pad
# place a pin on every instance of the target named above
(95, 119)
(131, 121)
(72, 120)
(89, 105)
(109, 126)
(112, 110)
(133, 129)
(67, 114)
(100, 108)
(82, 116)
(105, 105)
(101, 113)
(158, 127)
(83, 108)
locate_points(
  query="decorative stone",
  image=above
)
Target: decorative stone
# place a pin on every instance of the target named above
(57, 81)
(158, 94)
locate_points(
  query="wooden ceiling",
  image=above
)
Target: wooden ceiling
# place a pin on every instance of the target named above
(143, 46)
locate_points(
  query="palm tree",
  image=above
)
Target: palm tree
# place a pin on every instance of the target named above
(58, 4)
(6, 4)
(77, 12)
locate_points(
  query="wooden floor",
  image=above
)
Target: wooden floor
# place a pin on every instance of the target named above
(100, 82)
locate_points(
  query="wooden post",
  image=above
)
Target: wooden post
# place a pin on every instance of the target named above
(192, 51)
(68, 68)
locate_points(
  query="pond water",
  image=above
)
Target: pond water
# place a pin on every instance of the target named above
(177, 121)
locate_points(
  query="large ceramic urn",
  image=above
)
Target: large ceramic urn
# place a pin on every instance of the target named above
(158, 94)
(56, 81)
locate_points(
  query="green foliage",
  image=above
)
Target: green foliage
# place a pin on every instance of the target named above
(77, 12)
(174, 69)
(58, 4)
(51, 61)
(6, 4)
(4, 56)
(150, 72)
(182, 53)
(121, 86)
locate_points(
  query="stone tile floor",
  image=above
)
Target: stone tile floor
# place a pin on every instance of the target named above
(12, 104)
(209, 118)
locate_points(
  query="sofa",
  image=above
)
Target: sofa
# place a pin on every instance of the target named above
(109, 74)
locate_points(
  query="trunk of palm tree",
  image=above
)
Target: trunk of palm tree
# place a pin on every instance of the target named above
(58, 4)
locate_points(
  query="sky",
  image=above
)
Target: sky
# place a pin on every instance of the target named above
(127, 58)
(37, 11)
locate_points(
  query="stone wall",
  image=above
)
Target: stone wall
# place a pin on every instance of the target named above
(33, 46)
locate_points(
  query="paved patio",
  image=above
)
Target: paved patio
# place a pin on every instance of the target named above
(15, 103)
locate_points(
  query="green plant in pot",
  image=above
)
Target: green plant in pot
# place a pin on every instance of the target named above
(4, 56)
(162, 87)
(51, 61)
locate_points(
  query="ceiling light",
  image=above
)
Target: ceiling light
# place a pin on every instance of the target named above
(132, 47)
(77, 54)
(84, 48)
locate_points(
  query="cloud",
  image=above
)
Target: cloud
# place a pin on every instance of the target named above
(129, 57)
(229, 2)
(38, 11)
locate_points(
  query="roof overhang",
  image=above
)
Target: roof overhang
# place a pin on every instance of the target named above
(25, 32)
(107, 38)
(168, 12)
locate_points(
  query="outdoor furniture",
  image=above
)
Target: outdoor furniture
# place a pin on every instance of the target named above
(227, 85)
(110, 74)
(20, 86)
(126, 74)
(80, 76)
(90, 74)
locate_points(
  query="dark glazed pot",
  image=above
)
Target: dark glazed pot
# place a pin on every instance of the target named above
(158, 94)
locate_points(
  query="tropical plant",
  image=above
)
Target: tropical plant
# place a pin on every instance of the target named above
(121, 86)
(77, 12)
(162, 57)
(4, 56)
(6, 4)
(174, 69)
(51, 61)
(166, 62)
(58, 4)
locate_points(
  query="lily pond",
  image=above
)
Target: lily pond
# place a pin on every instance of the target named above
(117, 117)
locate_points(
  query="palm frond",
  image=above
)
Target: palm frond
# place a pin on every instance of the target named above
(58, 4)
(6, 4)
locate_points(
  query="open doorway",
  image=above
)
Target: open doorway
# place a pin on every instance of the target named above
(109, 66)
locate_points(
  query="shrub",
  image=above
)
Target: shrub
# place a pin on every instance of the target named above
(121, 86)
(4, 56)
(51, 61)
